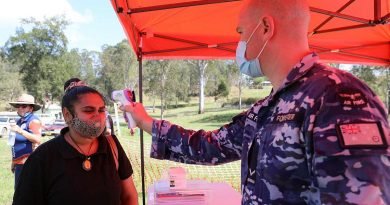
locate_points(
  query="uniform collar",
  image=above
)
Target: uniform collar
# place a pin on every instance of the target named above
(300, 69)
(68, 152)
(296, 73)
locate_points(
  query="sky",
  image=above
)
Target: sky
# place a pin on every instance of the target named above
(93, 22)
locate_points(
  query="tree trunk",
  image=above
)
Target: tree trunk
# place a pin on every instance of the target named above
(161, 106)
(201, 95)
(388, 100)
(202, 65)
(388, 89)
(239, 91)
(154, 105)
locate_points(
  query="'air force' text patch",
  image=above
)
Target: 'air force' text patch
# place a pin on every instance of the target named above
(361, 135)
(352, 98)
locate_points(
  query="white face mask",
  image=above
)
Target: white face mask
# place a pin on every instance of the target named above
(249, 67)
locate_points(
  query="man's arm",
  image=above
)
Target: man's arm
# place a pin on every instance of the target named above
(350, 157)
(175, 143)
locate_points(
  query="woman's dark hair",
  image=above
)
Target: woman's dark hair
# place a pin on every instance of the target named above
(68, 82)
(73, 89)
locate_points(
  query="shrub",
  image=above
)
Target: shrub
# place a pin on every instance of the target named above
(234, 102)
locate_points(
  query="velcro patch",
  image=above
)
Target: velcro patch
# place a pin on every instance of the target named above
(286, 117)
(352, 98)
(361, 135)
(252, 116)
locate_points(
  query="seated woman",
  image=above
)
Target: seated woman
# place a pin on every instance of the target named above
(81, 165)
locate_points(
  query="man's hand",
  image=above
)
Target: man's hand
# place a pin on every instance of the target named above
(140, 116)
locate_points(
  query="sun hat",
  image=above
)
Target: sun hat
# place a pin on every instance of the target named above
(26, 99)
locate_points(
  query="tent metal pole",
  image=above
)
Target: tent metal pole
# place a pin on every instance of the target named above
(365, 57)
(343, 28)
(199, 44)
(377, 10)
(186, 49)
(331, 17)
(339, 15)
(177, 5)
(141, 133)
(385, 18)
(344, 51)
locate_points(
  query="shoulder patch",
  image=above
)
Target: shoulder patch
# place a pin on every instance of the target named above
(352, 98)
(361, 135)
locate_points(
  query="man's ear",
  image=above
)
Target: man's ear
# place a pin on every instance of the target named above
(268, 27)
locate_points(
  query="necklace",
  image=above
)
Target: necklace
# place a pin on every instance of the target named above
(86, 165)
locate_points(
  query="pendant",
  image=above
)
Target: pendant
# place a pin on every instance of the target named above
(87, 165)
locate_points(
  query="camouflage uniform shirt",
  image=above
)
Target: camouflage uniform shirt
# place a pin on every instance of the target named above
(321, 138)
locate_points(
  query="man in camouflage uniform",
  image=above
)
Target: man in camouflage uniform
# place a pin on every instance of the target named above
(320, 137)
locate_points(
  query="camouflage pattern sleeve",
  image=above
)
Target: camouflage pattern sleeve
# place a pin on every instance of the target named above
(175, 143)
(349, 158)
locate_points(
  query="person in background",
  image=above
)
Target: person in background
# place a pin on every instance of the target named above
(320, 137)
(81, 165)
(110, 129)
(27, 130)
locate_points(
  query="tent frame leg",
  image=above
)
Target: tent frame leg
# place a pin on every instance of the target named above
(141, 133)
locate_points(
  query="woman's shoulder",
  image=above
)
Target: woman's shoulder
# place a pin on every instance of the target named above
(50, 145)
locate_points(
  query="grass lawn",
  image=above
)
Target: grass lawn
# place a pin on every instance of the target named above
(186, 116)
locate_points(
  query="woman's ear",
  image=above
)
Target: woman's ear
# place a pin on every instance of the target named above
(268, 27)
(67, 115)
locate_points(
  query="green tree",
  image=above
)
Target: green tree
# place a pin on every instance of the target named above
(118, 68)
(59, 70)
(87, 68)
(178, 82)
(377, 78)
(161, 79)
(38, 52)
(384, 84)
(222, 91)
(366, 74)
(200, 66)
(11, 85)
(257, 82)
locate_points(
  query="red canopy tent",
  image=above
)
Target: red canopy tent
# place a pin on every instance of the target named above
(342, 31)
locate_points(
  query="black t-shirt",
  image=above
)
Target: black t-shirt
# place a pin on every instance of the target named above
(53, 175)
